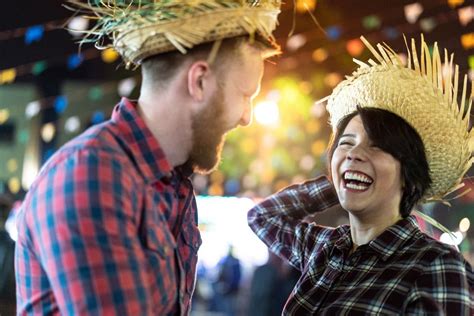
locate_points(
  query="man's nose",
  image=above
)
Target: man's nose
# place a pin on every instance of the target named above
(246, 118)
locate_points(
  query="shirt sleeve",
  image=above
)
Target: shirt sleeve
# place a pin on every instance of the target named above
(85, 227)
(443, 289)
(278, 220)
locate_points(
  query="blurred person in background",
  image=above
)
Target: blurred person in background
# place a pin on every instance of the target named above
(400, 138)
(109, 227)
(7, 250)
(227, 285)
(270, 287)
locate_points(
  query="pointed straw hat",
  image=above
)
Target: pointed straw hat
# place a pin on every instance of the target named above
(422, 94)
(139, 29)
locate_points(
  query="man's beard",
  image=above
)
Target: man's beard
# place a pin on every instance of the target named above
(208, 135)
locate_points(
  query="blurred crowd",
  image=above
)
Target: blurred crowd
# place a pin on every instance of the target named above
(225, 292)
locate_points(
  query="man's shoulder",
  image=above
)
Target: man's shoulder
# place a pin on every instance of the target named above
(100, 145)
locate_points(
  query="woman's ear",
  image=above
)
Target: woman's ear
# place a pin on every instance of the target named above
(199, 76)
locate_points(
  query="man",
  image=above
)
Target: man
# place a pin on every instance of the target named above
(110, 225)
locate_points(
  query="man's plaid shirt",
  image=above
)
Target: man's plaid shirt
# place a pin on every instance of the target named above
(401, 272)
(108, 227)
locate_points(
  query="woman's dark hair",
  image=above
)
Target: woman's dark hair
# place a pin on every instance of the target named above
(395, 136)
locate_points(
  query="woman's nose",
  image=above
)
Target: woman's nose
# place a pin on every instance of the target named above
(356, 153)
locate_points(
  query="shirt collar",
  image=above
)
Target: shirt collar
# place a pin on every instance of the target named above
(387, 243)
(393, 238)
(143, 146)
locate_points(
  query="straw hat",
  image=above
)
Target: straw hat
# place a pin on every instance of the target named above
(139, 28)
(425, 96)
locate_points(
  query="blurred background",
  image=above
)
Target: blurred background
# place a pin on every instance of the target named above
(50, 92)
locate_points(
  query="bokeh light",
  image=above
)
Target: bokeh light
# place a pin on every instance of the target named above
(319, 55)
(464, 225)
(355, 47)
(4, 115)
(47, 132)
(109, 55)
(32, 109)
(454, 239)
(267, 113)
(14, 185)
(72, 124)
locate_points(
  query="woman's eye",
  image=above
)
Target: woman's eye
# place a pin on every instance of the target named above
(344, 143)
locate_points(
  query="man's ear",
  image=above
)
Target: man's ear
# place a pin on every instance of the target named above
(199, 76)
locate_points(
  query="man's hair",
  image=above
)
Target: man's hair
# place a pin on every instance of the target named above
(395, 136)
(160, 68)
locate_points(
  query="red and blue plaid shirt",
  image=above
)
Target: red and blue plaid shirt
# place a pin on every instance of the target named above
(400, 272)
(108, 227)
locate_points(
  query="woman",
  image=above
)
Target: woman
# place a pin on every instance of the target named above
(386, 156)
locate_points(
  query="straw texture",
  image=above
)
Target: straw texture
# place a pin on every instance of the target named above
(425, 96)
(140, 29)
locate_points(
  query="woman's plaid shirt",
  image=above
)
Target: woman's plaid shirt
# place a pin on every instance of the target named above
(108, 228)
(402, 271)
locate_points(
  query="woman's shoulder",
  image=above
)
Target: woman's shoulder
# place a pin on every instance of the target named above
(432, 250)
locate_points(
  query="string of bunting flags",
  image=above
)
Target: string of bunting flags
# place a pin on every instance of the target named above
(372, 22)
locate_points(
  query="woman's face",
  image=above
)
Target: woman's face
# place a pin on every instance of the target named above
(366, 178)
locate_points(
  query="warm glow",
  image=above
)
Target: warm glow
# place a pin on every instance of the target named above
(318, 110)
(4, 115)
(267, 113)
(355, 47)
(302, 6)
(109, 55)
(307, 162)
(467, 41)
(249, 145)
(216, 190)
(47, 132)
(313, 126)
(7, 76)
(466, 15)
(320, 55)
(413, 11)
(14, 185)
(318, 147)
(455, 3)
(464, 224)
(332, 79)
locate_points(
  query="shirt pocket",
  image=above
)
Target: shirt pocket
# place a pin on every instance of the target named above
(189, 252)
(159, 240)
(159, 247)
(155, 231)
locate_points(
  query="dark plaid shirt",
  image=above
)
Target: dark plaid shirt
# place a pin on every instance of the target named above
(401, 272)
(108, 227)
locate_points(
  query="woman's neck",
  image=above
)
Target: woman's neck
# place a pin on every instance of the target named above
(366, 228)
